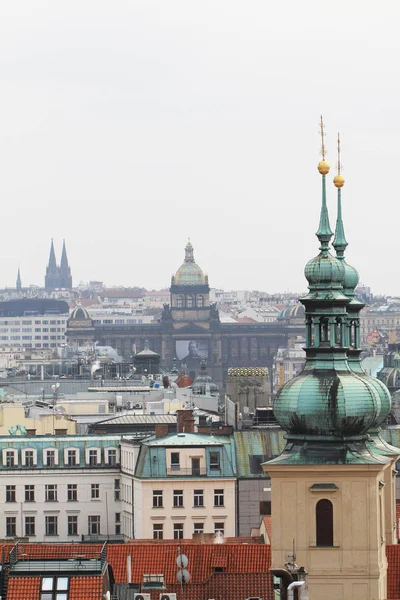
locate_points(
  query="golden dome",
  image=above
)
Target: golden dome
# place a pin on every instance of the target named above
(323, 167)
(338, 180)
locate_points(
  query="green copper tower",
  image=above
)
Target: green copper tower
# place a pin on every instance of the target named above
(330, 407)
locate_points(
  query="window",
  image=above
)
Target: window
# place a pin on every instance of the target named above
(117, 523)
(179, 301)
(265, 507)
(71, 458)
(29, 493)
(10, 493)
(219, 528)
(175, 464)
(198, 528)
(189, 301)
(198, 498)
(94, 524)
(95, 491)
(72, 492)
(30, 526)
(158, 533)
(50, 458)
(200, 301)
(72, 525)
(10, 458)
(117, 489)
(324, 523)
(11, 526)
(218, 497)
(157, 498)
(178, 498)
(214, 461)
(112, 456)
(54, 588)
(51, 493)
(93, 458)
(178, 531)
(29, 458)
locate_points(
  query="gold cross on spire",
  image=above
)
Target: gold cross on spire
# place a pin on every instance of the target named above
(323, 166)
(338, 180)
(322, 132)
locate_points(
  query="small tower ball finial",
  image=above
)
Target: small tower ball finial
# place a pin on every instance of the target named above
(338, 180)
(323, 165)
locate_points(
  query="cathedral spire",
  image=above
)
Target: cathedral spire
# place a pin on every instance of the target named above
(64, 259)
(339, 242)
(65, 271)
(52, 258)
(19, 284)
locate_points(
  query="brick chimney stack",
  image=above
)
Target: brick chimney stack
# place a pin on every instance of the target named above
(185, 421)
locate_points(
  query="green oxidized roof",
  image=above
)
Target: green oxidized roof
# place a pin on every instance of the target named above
(256, 443)
(189, 273)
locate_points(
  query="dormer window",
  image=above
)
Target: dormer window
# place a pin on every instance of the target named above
(50, 458)
(29, 457)
(10, 458)
(93, 456)
(71, 457)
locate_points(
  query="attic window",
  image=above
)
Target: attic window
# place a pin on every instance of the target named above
(54, 588)
(219, 569)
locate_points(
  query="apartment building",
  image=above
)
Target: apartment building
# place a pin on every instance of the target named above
(60, 488)
(177, 485)
(38, 331)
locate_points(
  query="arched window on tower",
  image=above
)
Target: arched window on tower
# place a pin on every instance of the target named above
(179, 301)
(324, 522)
(200, 301)
(189, 301)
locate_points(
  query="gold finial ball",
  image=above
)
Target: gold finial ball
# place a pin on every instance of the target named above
(338, 180)
(323, 167)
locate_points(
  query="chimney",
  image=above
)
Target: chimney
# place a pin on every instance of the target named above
(185, 421)
(161, 430)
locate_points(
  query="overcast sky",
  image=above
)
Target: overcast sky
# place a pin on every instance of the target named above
(128, 126)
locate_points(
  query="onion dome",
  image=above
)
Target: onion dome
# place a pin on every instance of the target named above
(189, 273)
(334, 403)
(203, 385)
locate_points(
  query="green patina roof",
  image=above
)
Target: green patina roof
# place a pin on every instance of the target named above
(256, 443)
(189, 439)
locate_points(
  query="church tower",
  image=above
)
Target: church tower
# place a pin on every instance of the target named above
(58, 276)
(65, 270)
(52, 279)
(333, 488)
(18, 282)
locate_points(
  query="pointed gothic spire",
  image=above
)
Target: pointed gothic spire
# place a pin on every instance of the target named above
(324, 232)
(64, 259)
(339, 242)
(52, 258)
(19, 284)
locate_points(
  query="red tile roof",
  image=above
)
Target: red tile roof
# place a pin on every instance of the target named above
(23, 588)
(267, 520)
(58, 551)
(160, 558)
(86, 588)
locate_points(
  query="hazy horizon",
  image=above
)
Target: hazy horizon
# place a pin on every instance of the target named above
(128, 127)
